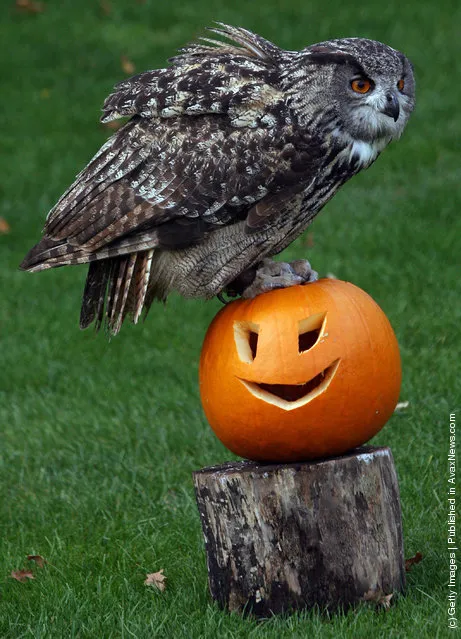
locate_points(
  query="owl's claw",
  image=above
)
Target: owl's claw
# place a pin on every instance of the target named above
(270, 275)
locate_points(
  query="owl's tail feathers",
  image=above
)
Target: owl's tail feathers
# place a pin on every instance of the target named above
(114, 288)
(121, 286)
(49, 253)
(121, 279)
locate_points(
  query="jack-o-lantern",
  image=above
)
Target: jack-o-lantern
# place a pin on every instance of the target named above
(299, 373)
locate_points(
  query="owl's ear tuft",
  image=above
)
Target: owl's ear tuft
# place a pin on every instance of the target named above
(325, 55)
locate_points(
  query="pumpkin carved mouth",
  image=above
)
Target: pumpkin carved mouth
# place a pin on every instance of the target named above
(291, 396)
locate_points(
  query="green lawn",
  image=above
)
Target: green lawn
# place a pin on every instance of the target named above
(99, 439)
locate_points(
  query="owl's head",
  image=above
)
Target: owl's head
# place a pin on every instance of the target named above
(367, 88)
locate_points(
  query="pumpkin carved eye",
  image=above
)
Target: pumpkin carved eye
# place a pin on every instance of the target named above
(309, 330)
(246, 340)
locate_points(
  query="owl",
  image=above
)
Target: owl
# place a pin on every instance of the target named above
(228, 155)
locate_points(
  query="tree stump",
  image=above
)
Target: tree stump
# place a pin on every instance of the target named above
(280, 537)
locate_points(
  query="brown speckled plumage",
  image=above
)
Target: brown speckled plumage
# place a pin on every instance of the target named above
(228, 155)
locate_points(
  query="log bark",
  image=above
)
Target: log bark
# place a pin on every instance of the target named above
(280, 537)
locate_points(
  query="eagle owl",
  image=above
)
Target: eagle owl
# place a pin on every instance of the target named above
(228, 155)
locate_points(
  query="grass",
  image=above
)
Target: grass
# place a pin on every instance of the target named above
(99, 439)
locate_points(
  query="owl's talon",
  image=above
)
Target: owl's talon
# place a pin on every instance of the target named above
(271, 275)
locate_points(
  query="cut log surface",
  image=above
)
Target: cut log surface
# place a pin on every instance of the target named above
(280, 537)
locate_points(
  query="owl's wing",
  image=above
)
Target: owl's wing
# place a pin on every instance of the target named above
(209, 142)
(154, 172)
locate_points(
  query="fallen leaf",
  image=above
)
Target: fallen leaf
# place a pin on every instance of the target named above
(29, 6)
(401, 406)
(114, 125)
(38, 559)
(379, 598)
(412, 561)
(4, 226)
(21, 575)
(156, 579)
(106, 7)
(45, 94)
(309, 240)
(127, 66)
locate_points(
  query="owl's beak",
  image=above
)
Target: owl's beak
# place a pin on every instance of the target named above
(392, 108)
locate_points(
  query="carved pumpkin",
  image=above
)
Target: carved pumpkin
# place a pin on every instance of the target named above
(299, 373)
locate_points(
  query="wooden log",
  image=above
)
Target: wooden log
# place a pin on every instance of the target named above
(280, 537)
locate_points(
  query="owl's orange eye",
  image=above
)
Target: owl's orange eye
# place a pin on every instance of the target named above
(361, 85)
(401, 84)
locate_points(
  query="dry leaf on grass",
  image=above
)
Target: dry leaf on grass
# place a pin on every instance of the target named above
(401, 406)
(127, 66)
(21, 575)
(106, 7)
(412, 561)
(308, 240)
(113, 125)
(29, 6)
(379, 598)
(38, 559)
(4, 226)
(156, 579)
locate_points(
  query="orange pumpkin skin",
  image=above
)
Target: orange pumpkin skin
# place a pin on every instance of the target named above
(252, 394)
